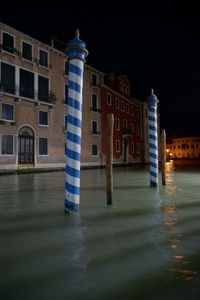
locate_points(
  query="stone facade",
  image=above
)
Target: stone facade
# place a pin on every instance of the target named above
(32, 118)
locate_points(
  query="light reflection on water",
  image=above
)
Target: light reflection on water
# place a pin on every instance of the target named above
(146, 244)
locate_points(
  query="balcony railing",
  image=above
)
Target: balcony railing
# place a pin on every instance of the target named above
(19, 91)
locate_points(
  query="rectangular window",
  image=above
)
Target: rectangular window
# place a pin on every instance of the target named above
(94, 127)
(8, 78)
(137, 148)
(66, 94)
(122, 106)
(65, 123)
(43, 58)
(117, 145)
(94, 150)
(8, 43)
(137, 131)
(7, 145)
(66, 68)
(7, 112)
(124, 124)
(127, 108)
(109, 99)
(27, 51)
(132, 147)
(26, 84)
(94, 79)
(117, 103)
(43, 118)
(43, 146)
(94, 102)
(117, 124)
(132, 128)
(43, 88)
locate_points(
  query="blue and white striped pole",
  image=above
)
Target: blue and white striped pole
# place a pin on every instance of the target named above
(153, 138)
(76, 52)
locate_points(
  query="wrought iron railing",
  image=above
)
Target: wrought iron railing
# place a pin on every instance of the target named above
(18, 91)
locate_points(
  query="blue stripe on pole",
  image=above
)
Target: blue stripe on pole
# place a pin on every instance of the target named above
(73, 154)
(74, 121)
(152, 119)
(153, 128)
(152, 109)
(75, 86)
(75, 69)
(73, 172)
(153, 137)
(74, 103)
(153, 164)
(74, 138)
(71, 205)
(152, 146)
(153, 174)
(153, 155)
(72, 188)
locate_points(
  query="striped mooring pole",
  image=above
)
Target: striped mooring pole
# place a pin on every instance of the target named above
(76, 52)
(153, 138)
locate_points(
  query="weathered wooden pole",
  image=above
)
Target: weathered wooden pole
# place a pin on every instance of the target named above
(163, 141)
(76, 52)
(153, 138)
(109, 159)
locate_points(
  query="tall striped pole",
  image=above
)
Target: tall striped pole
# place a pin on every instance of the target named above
(153, 138)
(76, 52)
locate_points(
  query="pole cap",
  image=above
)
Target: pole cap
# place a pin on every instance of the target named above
(76, 48)
(152, 99)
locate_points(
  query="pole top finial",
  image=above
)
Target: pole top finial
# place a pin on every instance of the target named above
(152, 91)
(77, 33)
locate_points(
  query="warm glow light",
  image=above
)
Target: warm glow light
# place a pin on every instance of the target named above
(170, 154)
(167, 150)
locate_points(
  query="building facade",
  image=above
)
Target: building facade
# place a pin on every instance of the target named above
(184, 148)
(33, 104)
(116, 99)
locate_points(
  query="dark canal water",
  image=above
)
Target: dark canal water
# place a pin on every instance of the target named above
(146, 246)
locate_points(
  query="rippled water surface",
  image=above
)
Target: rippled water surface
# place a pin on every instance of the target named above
(146, 246)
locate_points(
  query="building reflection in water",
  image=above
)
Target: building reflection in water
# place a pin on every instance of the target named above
(181, 265)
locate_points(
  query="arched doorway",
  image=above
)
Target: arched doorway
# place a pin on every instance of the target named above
(26, 146)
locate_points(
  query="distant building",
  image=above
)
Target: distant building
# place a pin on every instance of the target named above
(184, 148)
(116, 99)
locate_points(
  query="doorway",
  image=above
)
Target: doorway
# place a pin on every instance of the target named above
(26, 146)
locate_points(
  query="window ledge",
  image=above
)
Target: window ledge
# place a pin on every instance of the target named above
(6, 52)
(42, 125)
(41, 66)
(2, 121)
(28, 61)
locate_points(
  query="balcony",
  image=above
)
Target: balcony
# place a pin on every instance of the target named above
(128, 132)
(27, 93)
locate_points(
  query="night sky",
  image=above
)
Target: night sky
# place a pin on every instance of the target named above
(156, 44)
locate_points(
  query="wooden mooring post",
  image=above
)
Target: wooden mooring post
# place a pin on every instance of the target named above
(163, 141)
(109, 159)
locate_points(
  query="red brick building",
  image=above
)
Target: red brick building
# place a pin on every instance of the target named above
(116, 99)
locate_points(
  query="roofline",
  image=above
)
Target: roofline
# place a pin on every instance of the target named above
(94, 69)
(33, 39)
(131, 100)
